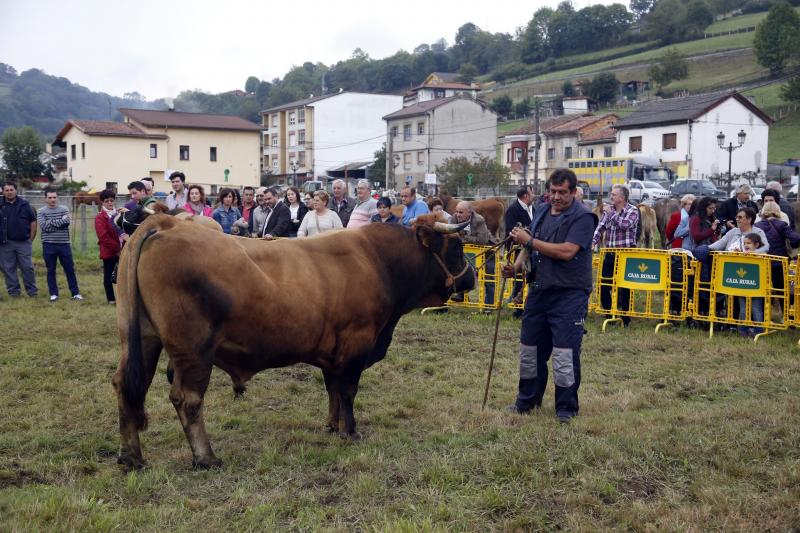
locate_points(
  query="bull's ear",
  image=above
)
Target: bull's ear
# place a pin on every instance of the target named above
(429, 238)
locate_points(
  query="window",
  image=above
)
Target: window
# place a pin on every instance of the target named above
(420, 158)
(438, 93)
(635, 144)
(184, 152)
(590, 152)
(606, 151)
(275, 120)
(274, 140)
(153, 151)
(551, 153)
(407, 132)
(669, 141)
(72, 151)
(567, 152)
(212, 154)
(301, 159)
(111, 185)
(292, 118)
(301, 137)
(393, 131)
(301, 116)
(275, 164)
(214, 189)
(420, 128)
(407, 161)
(83, 150)
(292, 139)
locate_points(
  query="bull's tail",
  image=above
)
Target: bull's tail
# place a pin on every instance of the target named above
(134, 379)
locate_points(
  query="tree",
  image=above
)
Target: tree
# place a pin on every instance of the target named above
(467, 73)
(532, 46)
(603, 88)
(568, 89)
(251, 85)
(790, 91)
(502, 105)
(523, 107)
(21, 150)
(640, 8)
(776, 39)
(377, 171)
(671, 66)
(422, 48)
(667, 21)
(698, 17)
(455, 173)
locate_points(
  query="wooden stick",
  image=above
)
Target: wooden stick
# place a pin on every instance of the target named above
(494, 342)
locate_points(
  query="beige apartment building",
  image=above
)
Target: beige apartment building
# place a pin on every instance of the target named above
(211, 150)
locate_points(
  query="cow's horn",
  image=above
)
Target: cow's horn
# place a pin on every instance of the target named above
(148, 210)
(441, 227)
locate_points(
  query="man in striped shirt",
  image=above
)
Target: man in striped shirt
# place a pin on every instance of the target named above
(619, 224)
(54, 221)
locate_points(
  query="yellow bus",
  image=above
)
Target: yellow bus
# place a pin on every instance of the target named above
(598, 174)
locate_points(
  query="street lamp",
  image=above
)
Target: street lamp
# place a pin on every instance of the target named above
(730, 148)
(293, 165)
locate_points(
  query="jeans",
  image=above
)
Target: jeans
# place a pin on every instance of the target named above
(756, 313)
(108, 270)
(51, 253)
(13, 255)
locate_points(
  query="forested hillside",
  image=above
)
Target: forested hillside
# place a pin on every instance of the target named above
(551, 41)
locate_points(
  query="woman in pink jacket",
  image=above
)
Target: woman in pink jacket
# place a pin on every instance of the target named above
(197, 202)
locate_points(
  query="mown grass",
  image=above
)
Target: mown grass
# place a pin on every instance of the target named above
(676, 432)
(735, 23)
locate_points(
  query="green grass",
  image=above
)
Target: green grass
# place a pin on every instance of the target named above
(783, 137)
(742, 21)
(676, 432)
(509, 125)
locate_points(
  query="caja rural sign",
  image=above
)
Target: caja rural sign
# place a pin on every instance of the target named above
(741, 275)
(642, 270)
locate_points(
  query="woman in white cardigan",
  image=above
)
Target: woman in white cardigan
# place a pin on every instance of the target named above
(321, 219)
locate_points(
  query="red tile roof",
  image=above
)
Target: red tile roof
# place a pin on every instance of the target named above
(605, 134)
(105, 127)
(177, 119)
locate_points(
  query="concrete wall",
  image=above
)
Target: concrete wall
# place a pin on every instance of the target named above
(348, 127)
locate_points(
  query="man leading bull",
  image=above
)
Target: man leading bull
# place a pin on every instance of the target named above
(559, 245)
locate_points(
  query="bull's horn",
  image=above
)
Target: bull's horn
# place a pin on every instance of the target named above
(441, 227)
(148, 210)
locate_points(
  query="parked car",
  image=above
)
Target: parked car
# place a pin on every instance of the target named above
(646, 190)
(792, 194)
(756, 193)
(696, 187)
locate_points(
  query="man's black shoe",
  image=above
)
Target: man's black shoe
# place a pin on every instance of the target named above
(513, 409)
(564, 417)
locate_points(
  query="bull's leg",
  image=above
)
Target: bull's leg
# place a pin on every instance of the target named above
(348, 388)
(332, 386)
(187, 392)
(132, 419)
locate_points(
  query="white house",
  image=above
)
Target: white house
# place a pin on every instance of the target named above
(440, 85)
(682, 132)
(307, 138)
(423, 135)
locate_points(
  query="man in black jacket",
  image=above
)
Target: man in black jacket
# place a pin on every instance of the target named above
(519, 213)
(276, 216)
(726, 212)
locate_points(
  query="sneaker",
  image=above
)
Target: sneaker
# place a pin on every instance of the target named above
(77, 297)
(53, 297)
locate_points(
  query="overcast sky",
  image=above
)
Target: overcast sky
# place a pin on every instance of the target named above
(160, 48)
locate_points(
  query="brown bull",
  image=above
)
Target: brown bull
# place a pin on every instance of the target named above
(491, 209)
(247, 318)
(86, 198)
(664, 209)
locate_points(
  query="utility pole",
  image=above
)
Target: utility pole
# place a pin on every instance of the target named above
(390, 182)
(537, 143)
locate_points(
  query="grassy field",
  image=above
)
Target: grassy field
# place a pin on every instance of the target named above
(742, 21)
(676, 432)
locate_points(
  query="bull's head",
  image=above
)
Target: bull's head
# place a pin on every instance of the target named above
(446, 247)
(133, 219)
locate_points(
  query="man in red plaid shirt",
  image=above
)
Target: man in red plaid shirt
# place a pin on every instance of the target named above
(619, 223)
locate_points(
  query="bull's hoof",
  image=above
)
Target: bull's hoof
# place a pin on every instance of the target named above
(355, 435)
(331, 428)
(130, 463)
(206, 464)
(238, 391)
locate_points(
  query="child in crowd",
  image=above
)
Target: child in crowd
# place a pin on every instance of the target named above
(384, 214)
(751, 242)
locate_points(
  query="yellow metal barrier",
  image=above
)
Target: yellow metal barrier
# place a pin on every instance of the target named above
(743, 290)
(486, 294)
(654, 283)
